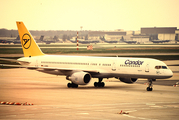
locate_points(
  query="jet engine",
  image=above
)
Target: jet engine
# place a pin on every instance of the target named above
(80, 78)
(128, 80)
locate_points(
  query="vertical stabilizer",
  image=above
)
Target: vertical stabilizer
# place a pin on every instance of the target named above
(29, 46)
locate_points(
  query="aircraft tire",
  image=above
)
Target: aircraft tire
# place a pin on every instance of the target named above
(102, 84)
(99, 84)
(69, 85)
(72, 85)
(95, 84)
(149, 89)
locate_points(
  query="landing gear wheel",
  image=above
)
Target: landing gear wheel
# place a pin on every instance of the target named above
(95, 84)
(149, 89)
(72, 85)
(99, 84)
(69, 85)
(102, 84)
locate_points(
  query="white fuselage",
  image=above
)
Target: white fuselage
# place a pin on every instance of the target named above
(106, 67)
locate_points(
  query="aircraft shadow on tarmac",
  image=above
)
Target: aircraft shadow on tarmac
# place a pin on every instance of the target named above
(46, 85)
(161, 82)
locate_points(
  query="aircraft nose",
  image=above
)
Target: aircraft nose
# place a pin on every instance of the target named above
(170, 73)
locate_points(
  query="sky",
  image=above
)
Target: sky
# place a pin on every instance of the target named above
(91, 14)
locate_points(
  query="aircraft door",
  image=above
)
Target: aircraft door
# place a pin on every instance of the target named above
(147, 68)
(113, 66)
(36, 64)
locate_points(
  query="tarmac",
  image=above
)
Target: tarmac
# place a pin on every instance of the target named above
(53, 100)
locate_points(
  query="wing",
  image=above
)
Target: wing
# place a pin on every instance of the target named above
(67, 69)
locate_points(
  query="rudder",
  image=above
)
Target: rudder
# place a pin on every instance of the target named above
(29, 46)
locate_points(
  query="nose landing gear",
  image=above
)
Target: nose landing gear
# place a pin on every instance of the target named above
(149, 88)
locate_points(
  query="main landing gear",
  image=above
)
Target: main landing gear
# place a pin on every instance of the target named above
(72, 85)
(149, 88)
(100, 83)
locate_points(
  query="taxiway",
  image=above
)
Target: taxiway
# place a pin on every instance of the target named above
(53, 100)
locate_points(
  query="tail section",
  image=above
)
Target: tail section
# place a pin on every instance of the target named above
(29, 46)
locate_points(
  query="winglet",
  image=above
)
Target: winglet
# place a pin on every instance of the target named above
(29, 46)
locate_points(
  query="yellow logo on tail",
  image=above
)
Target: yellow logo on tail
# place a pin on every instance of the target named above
(29, 46)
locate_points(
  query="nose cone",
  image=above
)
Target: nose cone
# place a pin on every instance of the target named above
(169, 73)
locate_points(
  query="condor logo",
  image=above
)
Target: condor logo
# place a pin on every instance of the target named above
(128, 62)
(26, 41)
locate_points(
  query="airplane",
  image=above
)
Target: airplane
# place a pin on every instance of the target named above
(84, 41)
(2, 40)
(130, 41)
(9, 40)
(80, 69)
(160, 41)
(48, 40)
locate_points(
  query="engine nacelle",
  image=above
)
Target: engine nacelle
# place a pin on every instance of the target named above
(128, 80)
(80, 78)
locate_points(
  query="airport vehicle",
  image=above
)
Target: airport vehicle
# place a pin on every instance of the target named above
(80, 69)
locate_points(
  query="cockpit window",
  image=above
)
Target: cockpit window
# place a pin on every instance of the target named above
(164, 67)
(157, 67)
(160, 67)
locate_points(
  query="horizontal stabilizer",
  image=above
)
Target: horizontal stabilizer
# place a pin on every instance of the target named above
(13, 60)
(16, 66)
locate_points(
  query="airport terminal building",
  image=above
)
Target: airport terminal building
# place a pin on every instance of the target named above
(143, 36)
(160, 33)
